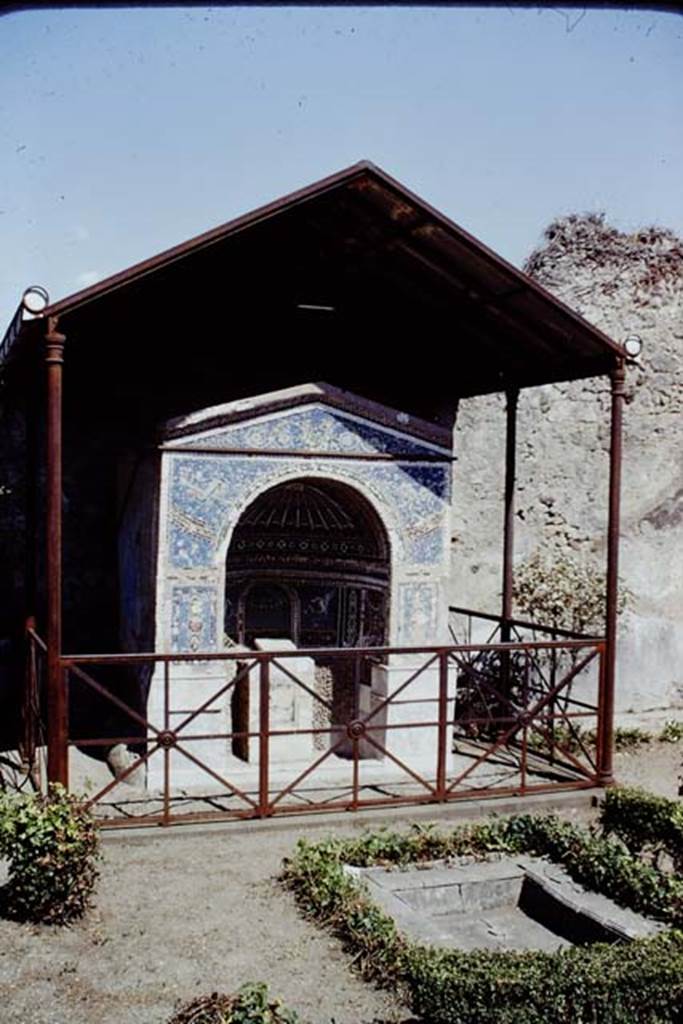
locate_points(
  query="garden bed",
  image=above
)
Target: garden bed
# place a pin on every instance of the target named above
(612, 983)
(185, 913)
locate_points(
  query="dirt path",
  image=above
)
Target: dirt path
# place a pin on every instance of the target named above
(655, 766)
(177, 917)
(186, 914)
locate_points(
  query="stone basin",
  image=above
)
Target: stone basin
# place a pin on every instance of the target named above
(505, 903)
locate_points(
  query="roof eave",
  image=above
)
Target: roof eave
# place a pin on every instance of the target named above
(207, 238)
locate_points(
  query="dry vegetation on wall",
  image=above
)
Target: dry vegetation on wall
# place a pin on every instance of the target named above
(650, 260)
(625, 284)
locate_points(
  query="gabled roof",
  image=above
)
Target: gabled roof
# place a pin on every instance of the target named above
(319, 393)
(387, 296)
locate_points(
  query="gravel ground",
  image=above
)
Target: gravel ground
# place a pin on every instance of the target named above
(189, 913)
(655, 766)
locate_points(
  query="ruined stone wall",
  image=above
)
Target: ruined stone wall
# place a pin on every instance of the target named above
(624, 284)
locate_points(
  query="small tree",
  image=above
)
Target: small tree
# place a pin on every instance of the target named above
(562, 593)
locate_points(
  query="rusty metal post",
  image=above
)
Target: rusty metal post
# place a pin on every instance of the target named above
(442, 752)
(605, 768)
(30, 700)
(57, 711)
(509, 520)
(355, 785)
(31, 462)
(166, 814)
(264, 738)
(508, 544)
(599, 740)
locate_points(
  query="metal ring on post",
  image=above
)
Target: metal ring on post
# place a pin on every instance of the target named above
(356, 729)
(167, 739)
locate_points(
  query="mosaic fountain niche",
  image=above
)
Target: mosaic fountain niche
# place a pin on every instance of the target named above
(302, 519)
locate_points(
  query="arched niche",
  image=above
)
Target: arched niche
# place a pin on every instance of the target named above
(309, 561)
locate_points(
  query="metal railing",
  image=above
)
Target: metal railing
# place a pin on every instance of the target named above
(23, 767)
(549, 665)
(434, 724)
(11, 334)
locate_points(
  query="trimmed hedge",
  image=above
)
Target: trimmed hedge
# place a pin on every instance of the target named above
(627, 983)
(601, 984)
(645, 823)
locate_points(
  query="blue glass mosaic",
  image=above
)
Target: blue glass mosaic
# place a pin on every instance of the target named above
(193, 618)
(318, 429)
(208, 494)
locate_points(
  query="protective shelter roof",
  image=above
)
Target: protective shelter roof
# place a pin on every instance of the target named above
(354, 280)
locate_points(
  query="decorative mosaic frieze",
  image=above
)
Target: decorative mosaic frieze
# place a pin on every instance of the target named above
(193, 618)
(316, 429)
(418, 613)
(208, 494)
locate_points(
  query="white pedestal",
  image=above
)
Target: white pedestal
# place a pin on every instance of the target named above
(414, 744)
(191, 685)
(291, 706)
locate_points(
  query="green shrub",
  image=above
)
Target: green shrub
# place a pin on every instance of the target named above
(630, 983)
(644, 822)
(672, 732)
(250, 1005)
(621, 984)
(625, 737)
(631, 737)
(51, 842)
(554, 590)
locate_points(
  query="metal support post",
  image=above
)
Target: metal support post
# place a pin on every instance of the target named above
(57, 711)
(508, 546)
(605, 768)
(509, 521)
(442, 748)
(264, 738)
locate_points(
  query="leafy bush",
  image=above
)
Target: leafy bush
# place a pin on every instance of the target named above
(644, 822)
(641, 981)
(631, 737)
(672, 732)
(250, 1005)
(620, 984)
(568, 595)
(52, 843)
(625, 737)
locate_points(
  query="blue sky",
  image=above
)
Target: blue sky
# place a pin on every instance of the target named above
(125, 132)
